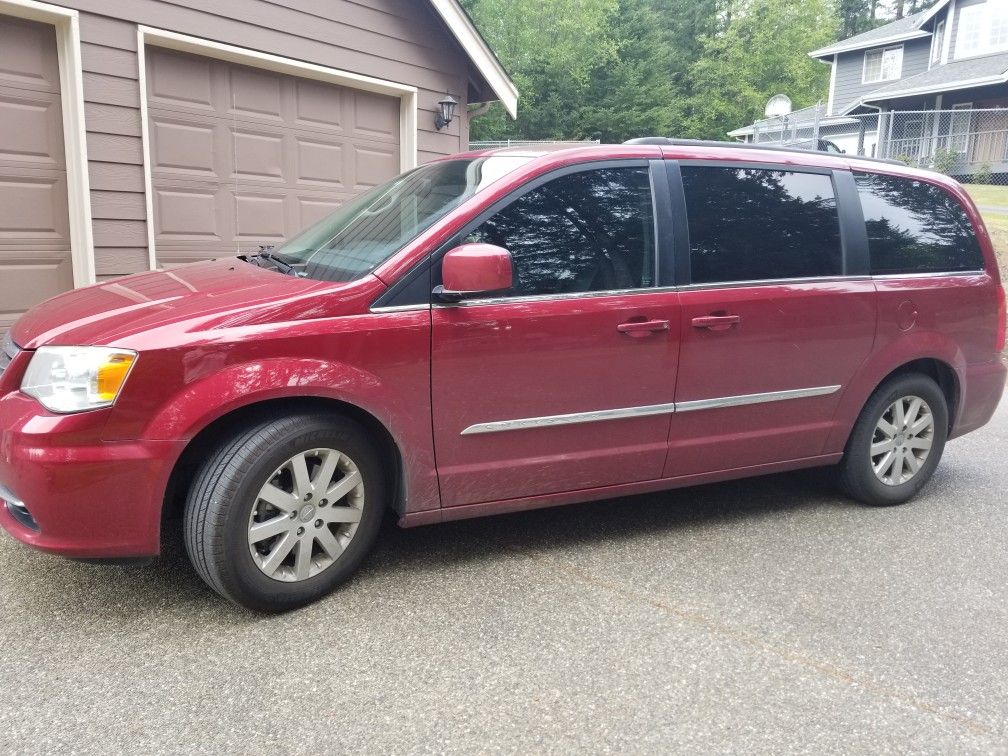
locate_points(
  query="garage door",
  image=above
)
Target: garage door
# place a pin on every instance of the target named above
(242, 156)
(35, 261)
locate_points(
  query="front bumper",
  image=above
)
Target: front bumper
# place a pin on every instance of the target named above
(87, 498)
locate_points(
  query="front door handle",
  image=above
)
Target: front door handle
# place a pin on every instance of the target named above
(717, 322)
(640, 328)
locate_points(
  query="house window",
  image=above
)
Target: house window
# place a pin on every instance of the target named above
(959, 127)
(883, 65)
(937, 43)
(983, 29)
(999, 28)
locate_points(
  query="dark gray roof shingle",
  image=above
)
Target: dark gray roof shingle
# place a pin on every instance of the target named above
(905, 25)
(950, 76)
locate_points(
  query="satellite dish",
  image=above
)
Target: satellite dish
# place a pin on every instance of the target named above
(777, 106)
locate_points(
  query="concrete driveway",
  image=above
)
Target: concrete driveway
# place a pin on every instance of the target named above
(763, 615)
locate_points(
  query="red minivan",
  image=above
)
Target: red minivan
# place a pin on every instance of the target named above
(499, 331)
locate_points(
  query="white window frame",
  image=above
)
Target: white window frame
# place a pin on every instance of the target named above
(947, 44)
(967, 136)
(832, 87)
(71, 76)
(882, 79)
(161, 38)
(984, 14)
(937, 43)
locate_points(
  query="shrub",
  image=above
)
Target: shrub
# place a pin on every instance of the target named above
(943, 160)
(983, 174)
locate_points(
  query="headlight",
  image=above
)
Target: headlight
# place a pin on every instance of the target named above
(75, 379)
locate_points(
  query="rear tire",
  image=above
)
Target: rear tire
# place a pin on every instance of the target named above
(258, 526)
(897, 441)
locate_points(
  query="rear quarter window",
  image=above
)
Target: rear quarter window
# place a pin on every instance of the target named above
(915, 227)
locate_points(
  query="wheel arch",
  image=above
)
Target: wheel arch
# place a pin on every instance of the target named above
(942, 373)
(226, 425)
(923, 352)
(942, 370)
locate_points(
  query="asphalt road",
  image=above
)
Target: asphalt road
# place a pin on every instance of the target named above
(762, 615)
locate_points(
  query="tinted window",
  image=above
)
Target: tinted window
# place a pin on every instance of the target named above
(588, 231)
(750, 224)
(915, 227)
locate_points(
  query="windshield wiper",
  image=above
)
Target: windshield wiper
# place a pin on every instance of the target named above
(266, 253)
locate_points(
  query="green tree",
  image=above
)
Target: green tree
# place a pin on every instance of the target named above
(612, 70)
(621, 68)
(855, 17)
(633, 93)
(760, 51)
(551, 48)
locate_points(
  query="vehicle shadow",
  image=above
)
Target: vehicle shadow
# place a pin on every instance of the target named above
(585, 525)
(169, 586)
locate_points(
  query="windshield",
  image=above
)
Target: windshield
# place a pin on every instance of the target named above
(364, 233)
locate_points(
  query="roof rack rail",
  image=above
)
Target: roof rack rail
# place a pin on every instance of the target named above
(671, 142)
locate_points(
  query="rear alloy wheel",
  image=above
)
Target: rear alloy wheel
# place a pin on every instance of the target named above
(285, 510)
(902, 440)
(897, 441)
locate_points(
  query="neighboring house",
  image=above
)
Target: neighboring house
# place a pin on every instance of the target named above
(137, 134)
(931, 83)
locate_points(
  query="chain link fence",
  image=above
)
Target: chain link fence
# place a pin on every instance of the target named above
(967, 143)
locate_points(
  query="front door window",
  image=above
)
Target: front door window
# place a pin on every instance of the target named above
(587, 231)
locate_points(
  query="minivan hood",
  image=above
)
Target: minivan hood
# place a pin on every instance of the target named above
(107, 312)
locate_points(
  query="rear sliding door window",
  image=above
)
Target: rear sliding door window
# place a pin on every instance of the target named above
(915, 227)
(754, 224)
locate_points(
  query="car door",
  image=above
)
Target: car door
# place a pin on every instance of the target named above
(566, 382)
(773, 327)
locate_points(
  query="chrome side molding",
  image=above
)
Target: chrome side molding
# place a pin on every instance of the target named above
(744, 399)
(597, 416)
(571, 419)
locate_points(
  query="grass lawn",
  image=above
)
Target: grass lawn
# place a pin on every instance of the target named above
(997, 223)
(984, 194)
(998, 227)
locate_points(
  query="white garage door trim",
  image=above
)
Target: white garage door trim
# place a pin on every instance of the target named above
(197, 45)
(74, 138)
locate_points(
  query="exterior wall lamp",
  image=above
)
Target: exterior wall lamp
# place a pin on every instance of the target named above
(446, 111)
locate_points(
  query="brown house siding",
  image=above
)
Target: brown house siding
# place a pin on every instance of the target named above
(399, 41)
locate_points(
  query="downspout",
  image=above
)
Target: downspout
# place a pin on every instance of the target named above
(473, 113)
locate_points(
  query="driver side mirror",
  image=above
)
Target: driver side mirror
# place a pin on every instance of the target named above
(472, 270)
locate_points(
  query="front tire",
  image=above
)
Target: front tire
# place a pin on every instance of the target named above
(897, 441)
(285, 511)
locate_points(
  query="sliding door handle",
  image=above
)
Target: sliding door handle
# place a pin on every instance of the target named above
(717, 322)
(641, 328)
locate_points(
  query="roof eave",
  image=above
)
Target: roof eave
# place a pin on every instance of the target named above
(484, 58)
(829, 52)
(984, 81)
(933, 11)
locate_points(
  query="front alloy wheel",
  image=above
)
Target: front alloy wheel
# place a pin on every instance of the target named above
(306, 515)
(285, 510)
